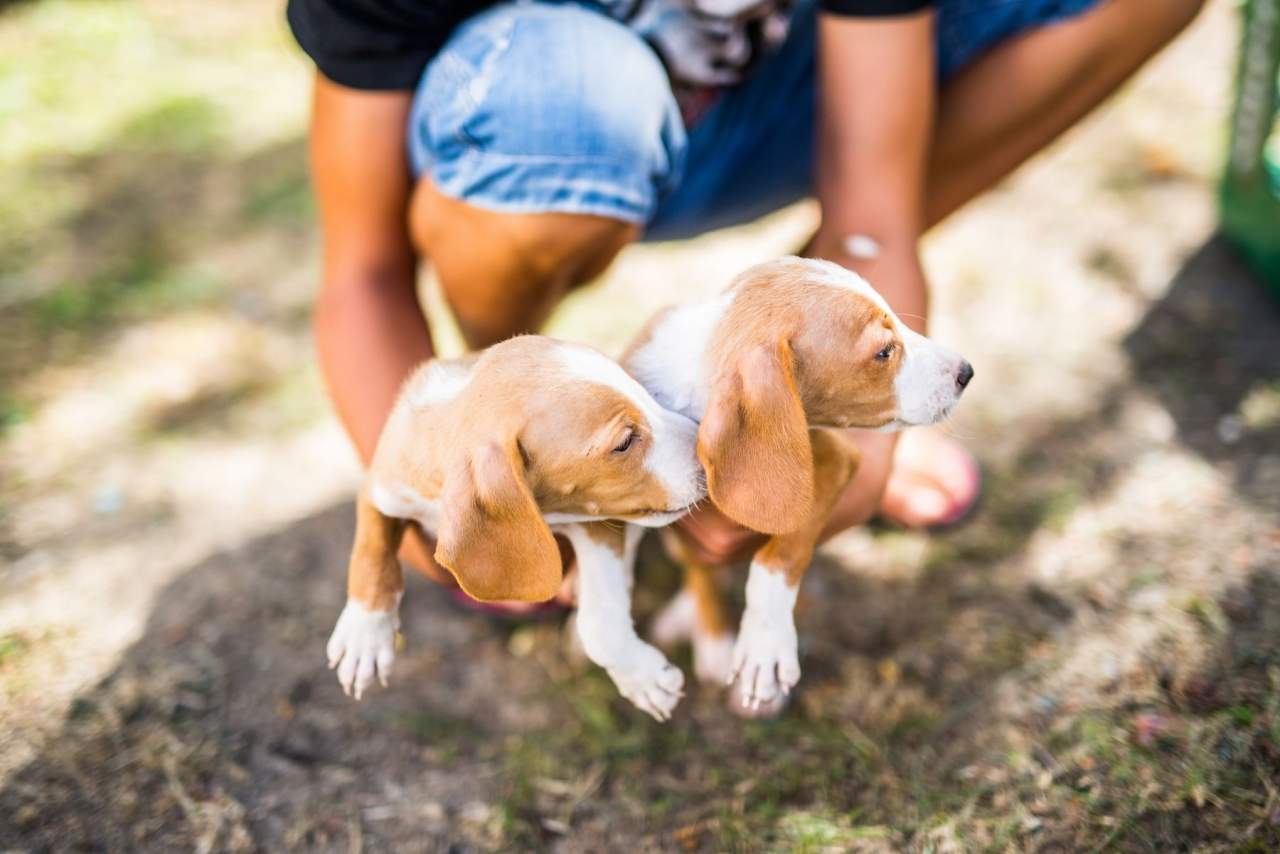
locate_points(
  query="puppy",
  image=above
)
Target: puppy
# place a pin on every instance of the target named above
(490, 455)
(791, 347)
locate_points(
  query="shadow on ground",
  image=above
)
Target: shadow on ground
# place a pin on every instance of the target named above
(221, 728)
(1207, 349)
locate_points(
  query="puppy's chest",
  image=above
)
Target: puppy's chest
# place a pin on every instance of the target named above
(400, 502)
(676, 387)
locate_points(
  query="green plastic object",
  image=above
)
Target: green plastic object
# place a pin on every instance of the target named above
(1250, 191)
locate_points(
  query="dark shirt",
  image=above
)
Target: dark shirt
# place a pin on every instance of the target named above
(386, 44)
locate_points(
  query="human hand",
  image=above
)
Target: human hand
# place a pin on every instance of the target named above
(713, 539)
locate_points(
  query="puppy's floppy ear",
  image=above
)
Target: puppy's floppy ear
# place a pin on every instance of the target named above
(754, 443)
(492, 537)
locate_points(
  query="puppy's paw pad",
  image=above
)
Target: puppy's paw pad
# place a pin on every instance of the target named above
(363, 647)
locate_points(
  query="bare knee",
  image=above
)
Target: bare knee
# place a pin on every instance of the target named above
(503, 273)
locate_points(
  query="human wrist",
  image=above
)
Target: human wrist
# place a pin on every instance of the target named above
(889, 260)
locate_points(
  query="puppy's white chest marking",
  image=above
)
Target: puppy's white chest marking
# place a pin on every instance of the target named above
(439, 383)
(670, 364)
(401, 502)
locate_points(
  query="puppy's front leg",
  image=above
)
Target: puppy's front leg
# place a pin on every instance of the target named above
(766, 661)
(605, 553)
(696, 614)
(363, 643)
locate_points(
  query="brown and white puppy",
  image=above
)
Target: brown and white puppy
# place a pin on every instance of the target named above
(490, 455)
(791, 346)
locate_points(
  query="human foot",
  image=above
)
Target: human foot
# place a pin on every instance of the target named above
(934, 482)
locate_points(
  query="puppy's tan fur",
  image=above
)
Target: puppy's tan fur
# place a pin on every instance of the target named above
(470, 453)
(798, 346)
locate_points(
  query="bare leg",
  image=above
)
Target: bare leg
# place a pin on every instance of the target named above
(369, 327)
(503, 273)
(1019, 97)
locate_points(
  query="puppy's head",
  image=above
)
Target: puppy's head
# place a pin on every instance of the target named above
(808, 343)
(554, 430)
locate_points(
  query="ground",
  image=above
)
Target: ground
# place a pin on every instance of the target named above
(1093, 661)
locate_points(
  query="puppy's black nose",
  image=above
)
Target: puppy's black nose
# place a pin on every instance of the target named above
(964, 375)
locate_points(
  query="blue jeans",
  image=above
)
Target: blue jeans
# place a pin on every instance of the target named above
(555, 107)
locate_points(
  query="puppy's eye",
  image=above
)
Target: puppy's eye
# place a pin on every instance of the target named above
(626, 443)
(885, 354)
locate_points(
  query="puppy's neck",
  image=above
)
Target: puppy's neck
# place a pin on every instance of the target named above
(671, 361)
(423, 426)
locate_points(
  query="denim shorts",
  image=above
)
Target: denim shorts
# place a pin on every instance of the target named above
(555, 107)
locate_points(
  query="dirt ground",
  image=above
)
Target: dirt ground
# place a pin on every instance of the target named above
(1093, 662)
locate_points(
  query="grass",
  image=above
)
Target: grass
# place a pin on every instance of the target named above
(186, 192)
(1143, 776)
(144, 287)
(285, 200)
(12, 647)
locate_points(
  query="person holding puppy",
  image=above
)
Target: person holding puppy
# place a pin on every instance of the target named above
(518, 147)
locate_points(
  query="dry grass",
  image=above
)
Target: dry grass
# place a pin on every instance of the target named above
(1092, 663)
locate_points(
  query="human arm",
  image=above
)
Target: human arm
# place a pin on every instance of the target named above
(369, 326)
(877, 96)
(370, 329)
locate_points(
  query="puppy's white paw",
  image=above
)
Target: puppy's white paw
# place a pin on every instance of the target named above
(676, 621)
(713, 657)
(363, 646)
(650, 682)
(766, 660)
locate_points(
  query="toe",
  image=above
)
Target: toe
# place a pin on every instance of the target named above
(788, 673)
(671, 679)
(933, 454)
(347, 672)
(915, 501)
(766, 683)
(386, 660)
(934, 480)
(364, 674)
(333, 650)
